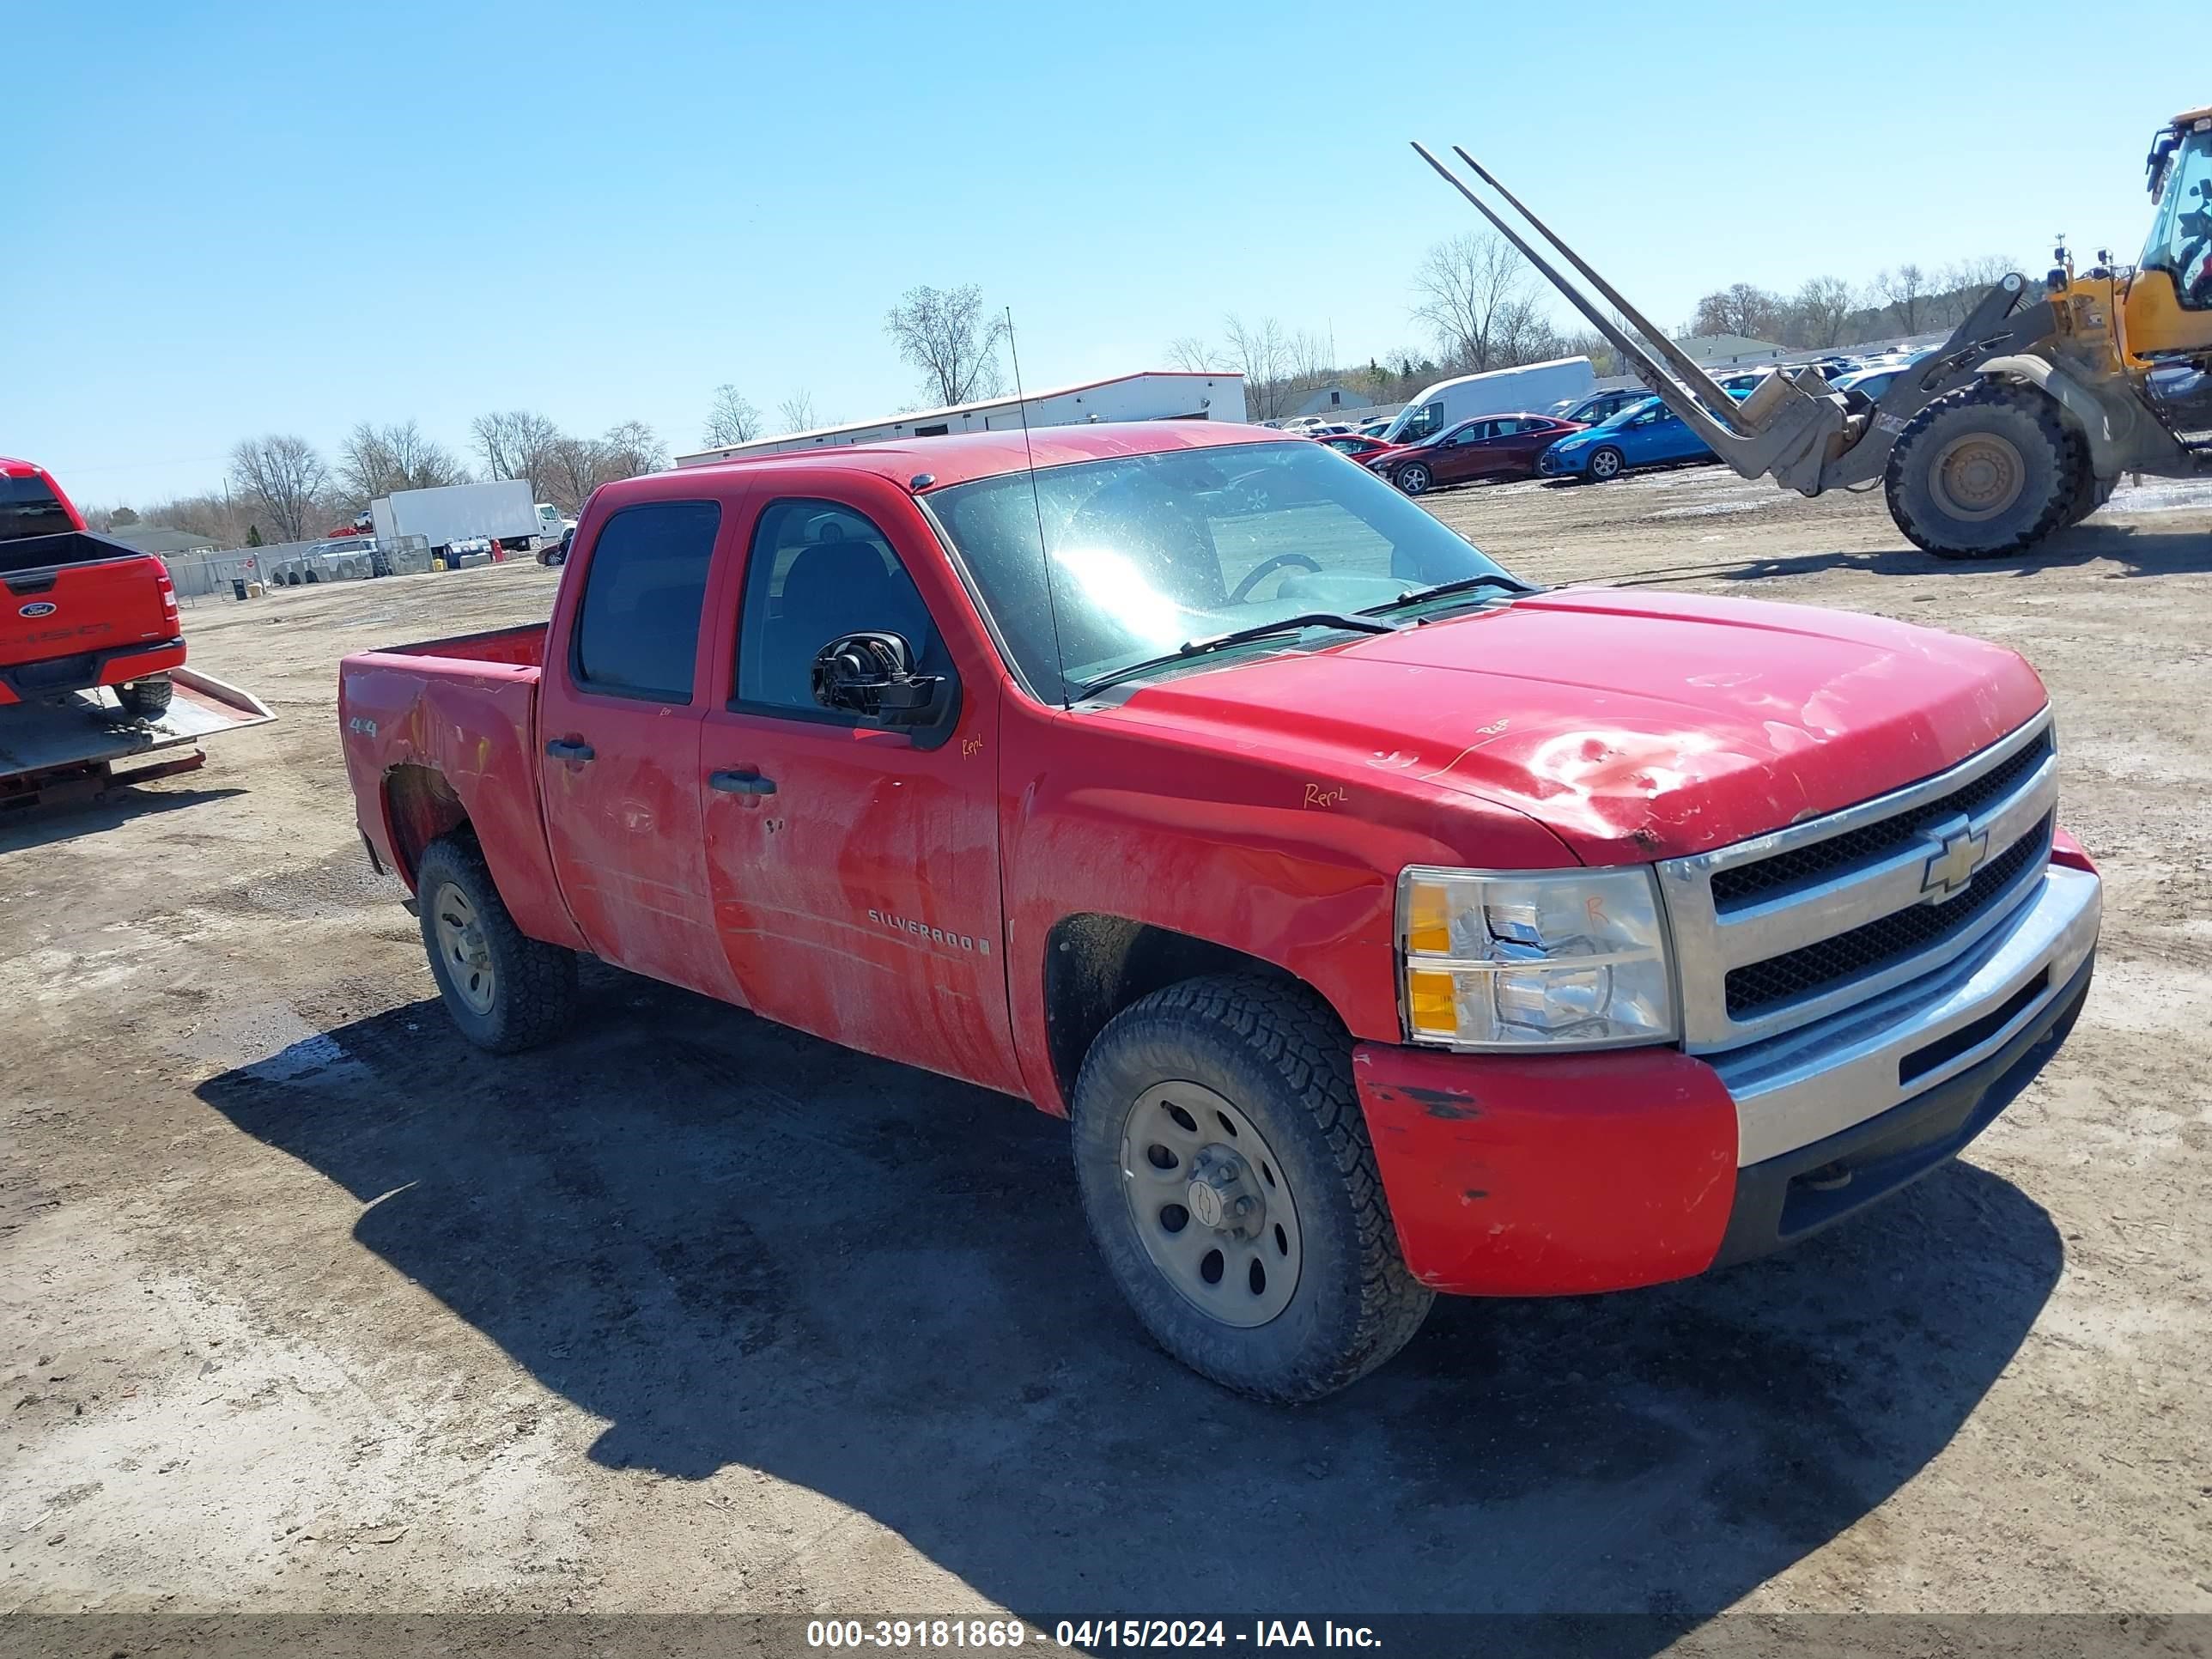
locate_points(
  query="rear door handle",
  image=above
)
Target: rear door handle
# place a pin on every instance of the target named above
(569, 749)
(742, 780)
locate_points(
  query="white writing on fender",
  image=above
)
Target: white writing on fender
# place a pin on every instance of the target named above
(923, 930)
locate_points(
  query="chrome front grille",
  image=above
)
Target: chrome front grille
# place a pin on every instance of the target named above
(1789, 928)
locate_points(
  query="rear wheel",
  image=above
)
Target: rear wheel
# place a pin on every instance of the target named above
(1413, 478)
(147, 699)
(1985, 471)
(1228, 1183)
(1606, 463)
(506, 991)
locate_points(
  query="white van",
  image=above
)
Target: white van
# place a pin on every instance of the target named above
(1531, 388)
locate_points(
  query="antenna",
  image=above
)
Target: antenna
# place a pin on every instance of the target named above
(1036, 505)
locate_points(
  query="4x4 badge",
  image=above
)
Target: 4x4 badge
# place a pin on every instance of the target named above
(1958, 853)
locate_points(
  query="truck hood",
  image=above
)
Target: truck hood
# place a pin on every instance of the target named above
(1633, 726)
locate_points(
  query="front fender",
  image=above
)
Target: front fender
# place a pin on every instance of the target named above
(2120, 434)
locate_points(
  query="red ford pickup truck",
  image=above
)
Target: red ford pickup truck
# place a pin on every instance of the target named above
(1384, 925)
(82, 611)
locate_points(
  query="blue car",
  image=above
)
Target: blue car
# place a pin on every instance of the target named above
(1646, 434)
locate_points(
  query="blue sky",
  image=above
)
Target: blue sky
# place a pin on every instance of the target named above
(235, 219)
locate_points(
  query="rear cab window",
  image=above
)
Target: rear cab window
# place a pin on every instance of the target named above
(28, 507)
(637, 624)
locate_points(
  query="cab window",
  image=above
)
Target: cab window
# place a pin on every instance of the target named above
(637, 625)
(819, 571)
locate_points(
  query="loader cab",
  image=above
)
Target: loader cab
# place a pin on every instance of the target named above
(2169, 299)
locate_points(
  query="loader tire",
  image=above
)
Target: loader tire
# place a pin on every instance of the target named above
(1295, 1286)
(506, 991)
(1985, 471)
(2093, 493)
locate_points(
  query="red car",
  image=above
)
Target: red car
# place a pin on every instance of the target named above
(1487, 446)
(81, 610)
(1386, 925)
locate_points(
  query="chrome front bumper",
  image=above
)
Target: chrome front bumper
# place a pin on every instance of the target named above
(1820, 1079)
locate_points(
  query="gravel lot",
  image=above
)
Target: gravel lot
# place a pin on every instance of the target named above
(308, 1306)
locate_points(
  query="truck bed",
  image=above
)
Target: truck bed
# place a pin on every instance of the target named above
(512, 647)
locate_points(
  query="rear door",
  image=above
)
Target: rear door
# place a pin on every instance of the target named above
(619, 727)
(855, 866)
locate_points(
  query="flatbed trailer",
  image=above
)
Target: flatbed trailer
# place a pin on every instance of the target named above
(81, 746)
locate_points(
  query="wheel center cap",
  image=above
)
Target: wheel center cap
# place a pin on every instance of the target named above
(1218, 1197)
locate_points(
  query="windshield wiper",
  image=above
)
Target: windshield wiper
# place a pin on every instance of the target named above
(1464, 585)
(1188, 648)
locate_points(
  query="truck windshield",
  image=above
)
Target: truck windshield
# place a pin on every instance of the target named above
(1150, 551)
(28, 507)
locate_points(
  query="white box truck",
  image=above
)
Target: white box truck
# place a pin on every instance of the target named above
(502, 510)
(1530, 390)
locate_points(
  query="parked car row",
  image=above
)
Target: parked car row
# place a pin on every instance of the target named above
(1595, 437)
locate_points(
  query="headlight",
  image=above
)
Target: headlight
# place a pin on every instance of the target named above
(1569, 959)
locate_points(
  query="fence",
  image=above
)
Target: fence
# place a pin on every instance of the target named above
(291, 564)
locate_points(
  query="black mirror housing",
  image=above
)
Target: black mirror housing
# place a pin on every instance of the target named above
(872, 675)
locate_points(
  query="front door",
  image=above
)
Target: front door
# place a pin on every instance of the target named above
(855, 866)
(618, 721)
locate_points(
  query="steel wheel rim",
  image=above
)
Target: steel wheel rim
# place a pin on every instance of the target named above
(1211, 1204)
(1978, 476)
(1605, 464)
(463, 948)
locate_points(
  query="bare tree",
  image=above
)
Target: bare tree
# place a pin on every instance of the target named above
(284, 477)
(632, 448)
(1820, 313)
(797, 411)
(375, 460)
(945, 333)
(1462, 287)
(1904, 291)
(733, 420)
(1741, 308)
(574, 467)
(1190, 352)
(1261, 352)
(517, 444)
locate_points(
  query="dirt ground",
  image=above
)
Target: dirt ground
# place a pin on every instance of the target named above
(306, 1306)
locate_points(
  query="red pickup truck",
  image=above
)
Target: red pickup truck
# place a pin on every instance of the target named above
(1385, 926)
(82, 611)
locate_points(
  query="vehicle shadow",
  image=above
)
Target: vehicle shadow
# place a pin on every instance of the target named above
(741, 1246)
(65, 820)
(2137, 552)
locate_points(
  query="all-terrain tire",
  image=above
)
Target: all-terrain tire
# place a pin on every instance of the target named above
(531, 985)
(147, 699)
(1985, 469)
(1278, 1053)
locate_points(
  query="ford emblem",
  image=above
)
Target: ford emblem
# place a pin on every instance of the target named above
(37, 608)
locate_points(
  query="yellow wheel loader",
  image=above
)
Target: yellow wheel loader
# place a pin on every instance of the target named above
(2018, 425)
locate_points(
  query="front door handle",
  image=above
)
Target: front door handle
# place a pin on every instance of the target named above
(742, 780)
(569, 749)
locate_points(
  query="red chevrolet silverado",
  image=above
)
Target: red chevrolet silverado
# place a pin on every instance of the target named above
(1385, 926)
(82, 611)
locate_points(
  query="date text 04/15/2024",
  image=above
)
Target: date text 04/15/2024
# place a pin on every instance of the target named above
(910, 1635)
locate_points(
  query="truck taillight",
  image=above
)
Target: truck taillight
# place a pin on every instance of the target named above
(169, 595)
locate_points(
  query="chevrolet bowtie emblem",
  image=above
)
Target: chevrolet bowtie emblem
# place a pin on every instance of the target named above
(1959, 850)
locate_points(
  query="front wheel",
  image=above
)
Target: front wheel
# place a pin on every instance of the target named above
(1606, 463)
(1983, 471)
(506, 991)
(1228, 1180)
(1413, 479)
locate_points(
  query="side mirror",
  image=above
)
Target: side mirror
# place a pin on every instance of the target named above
(872, 675)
